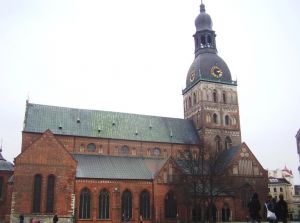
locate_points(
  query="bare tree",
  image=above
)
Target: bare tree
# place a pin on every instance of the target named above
(203, 181)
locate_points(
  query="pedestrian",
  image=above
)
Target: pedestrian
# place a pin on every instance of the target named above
(254, 209)
(141, 219)
(281, 209)
(270, 208)
(55, 218)
(21, 218)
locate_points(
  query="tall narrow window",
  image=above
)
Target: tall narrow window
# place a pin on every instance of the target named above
(194, 99)
(104, 204)
(50, 194)
(215, 98)
(85, 204)
(126, 205)
(145, 205)
(203, 42)
(228, 142)
(226, 120)
(218, 143)
(215, 118)
(170, 205)
(37, 191)
(190, 102)
(224, 97)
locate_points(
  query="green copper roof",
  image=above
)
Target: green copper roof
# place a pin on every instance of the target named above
(106, 124)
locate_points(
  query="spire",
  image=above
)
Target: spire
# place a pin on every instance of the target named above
(202, 7)
(1, 157)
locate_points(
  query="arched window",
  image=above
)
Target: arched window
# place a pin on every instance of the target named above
(85, 204)
(203, 42)
(224, 97)
(170, 205)
(156, 151)
(215, 118)
(37, 192)
(126, 205)
(145, 205)
(104, 204)
(190, 102)
(124, 150)
(218, 143)
(50, 194)
(215, 98)
(225, 213)
(194, 99)
(228, 142)
(208, 118)
(226, 120)
(91, 147)
(209, 39)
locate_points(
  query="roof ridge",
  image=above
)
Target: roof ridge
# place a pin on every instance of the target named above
(85, 109)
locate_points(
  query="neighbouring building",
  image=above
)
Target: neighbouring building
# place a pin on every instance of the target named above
(101, 166)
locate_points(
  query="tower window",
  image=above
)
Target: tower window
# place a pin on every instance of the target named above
(215, 96)
(194, 98)
(203, 41)
(224, 97)
(218, 143)
(215, 118)
(228, 142)
(209, 39)
(226, 120)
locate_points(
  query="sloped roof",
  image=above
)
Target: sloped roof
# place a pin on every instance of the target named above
(107, 124)
(116, 167)
(274, 180)
(5, 165)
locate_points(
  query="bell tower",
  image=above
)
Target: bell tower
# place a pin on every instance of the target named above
(210, 97)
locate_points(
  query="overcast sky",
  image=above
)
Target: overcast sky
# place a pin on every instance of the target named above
(133, 56)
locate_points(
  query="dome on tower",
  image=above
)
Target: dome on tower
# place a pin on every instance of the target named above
(203, 20)
(5, 165)
(208, 66)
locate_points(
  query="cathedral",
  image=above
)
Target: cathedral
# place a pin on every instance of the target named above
(102, 166)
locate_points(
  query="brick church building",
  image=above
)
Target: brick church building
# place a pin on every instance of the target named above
(101, 166)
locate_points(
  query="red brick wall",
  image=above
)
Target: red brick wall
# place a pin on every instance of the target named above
(44, 156)
(5, 199)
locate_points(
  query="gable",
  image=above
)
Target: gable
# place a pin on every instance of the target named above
(46, 150)
(246, 164)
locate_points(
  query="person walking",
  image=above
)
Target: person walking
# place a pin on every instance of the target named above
(21, 218)
(254, 209)
(270, 209)
(55, 218)
(281, 209)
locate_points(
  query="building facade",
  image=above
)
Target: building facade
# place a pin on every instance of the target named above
(99, 166)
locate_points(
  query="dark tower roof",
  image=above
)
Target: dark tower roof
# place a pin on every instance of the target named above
(207, 65)
(5, 165)
(203, 20)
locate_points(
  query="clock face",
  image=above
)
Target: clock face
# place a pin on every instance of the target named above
(216, 71)
(192, 77)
